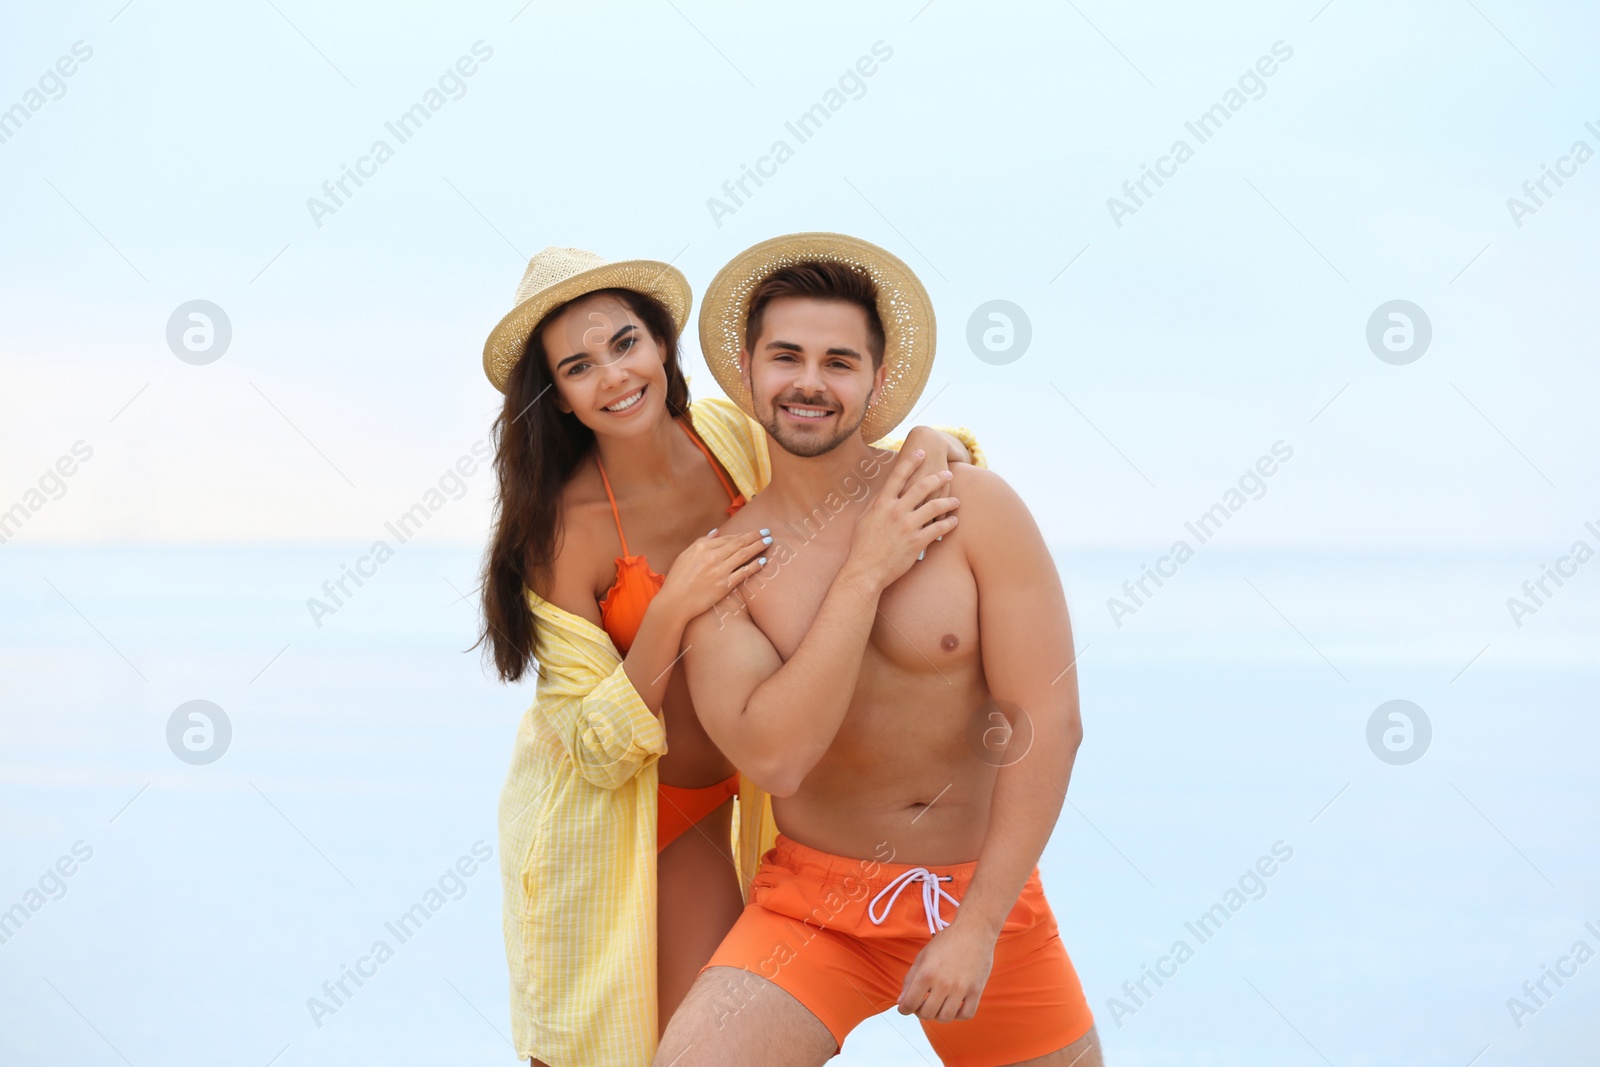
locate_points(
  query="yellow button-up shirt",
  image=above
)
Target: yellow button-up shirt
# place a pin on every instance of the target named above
(578, 822)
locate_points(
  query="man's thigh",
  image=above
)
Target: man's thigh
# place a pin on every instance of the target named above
(734, 1016)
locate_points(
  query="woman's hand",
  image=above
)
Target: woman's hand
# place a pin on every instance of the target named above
(937, 452)
(940, 447)
(710, 567)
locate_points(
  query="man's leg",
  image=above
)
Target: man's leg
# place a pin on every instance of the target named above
(1084, 1052)
(734, 1016)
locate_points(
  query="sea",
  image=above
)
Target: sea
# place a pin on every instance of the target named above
(1331, 807)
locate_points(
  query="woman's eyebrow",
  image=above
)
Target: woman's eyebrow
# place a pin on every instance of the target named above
(584, 355)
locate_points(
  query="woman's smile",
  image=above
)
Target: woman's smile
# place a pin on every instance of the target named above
(627, 403)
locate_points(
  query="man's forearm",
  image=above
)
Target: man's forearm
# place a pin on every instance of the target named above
(793, 715)
(1022, 814)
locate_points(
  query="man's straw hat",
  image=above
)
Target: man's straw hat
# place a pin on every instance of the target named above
(557, 275)
(903, 305)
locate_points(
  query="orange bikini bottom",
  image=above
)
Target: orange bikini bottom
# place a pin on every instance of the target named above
(678, 808)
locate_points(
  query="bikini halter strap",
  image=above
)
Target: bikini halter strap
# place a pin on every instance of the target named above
(617, 517)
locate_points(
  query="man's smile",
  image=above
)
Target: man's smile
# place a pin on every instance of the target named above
(807, 412)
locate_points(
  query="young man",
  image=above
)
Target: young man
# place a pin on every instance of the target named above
(900, 681)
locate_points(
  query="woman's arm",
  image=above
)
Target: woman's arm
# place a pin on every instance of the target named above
(943, 444)
(611, 727)
(604, 723)
(936, 442)
(655, 647)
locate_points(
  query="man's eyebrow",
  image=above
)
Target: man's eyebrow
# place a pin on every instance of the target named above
(584, 355)
(790, 346)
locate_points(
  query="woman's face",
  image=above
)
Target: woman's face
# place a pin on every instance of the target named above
(608, 369)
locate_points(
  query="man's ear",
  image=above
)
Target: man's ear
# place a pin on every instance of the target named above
(879, 376)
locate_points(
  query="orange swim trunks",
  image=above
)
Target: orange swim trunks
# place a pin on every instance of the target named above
(839, 935)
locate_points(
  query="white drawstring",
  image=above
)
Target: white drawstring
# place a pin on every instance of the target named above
(933, 897)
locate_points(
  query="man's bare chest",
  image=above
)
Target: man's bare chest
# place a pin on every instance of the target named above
(925, 621)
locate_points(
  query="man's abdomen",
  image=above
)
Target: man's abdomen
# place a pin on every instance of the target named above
(903, 773)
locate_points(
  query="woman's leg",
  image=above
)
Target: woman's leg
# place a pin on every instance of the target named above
(697, 902)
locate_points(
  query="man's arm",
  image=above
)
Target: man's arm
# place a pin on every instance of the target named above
(1026, 640)
(776, 720)
(1028, 664)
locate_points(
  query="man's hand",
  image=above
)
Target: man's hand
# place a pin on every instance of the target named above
(898, 525)
(947, 978)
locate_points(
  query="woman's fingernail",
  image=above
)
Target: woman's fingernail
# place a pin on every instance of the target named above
(939, 538)
(922, 553)
(919, 452)
(766, 540)
(713, 533)
(765, 530)
(762, 561)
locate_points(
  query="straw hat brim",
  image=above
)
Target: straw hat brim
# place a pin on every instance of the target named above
(509, 339)
(903, 305)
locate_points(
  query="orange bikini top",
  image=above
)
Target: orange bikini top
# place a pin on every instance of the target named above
(622, 610)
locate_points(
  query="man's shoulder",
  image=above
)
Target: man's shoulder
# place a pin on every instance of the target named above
(732, 606)
(980, 484)
(753, 515)
(727, 617)
(992, 513)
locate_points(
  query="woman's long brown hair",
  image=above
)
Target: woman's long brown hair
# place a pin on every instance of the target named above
(538, 448)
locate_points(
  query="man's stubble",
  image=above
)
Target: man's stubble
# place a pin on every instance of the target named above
(806, 447)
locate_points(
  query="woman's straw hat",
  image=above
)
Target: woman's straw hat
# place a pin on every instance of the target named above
(903, 305)
(557, 275)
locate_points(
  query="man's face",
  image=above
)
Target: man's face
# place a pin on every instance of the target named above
(810, 376)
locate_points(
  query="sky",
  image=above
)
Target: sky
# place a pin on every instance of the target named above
(1177, 334)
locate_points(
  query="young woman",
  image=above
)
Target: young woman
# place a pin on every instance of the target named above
(618, 856)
